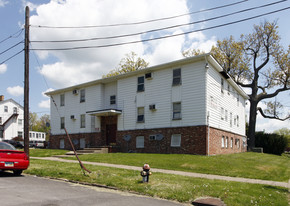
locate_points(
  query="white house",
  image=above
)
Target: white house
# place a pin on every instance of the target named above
(187, 106)
(12, 121)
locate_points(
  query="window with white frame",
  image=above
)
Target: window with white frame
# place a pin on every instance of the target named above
(222, 113)
(5, 108)
(15, 110)
(237, 143)
(20, 134)
(140, 114)
(62, 123)
(0, 120)
(226, 115)
(232, 142)
(19, 122)
(222, 85)
(62, 100)
(223, 141)
(113, 99)
(238, 99)
(238, 121)
(235, 120)
(83, 121)
(175, 140)
(229, 89)
(176, 111)
(140, 85)
(140, 142)
(176, 77)
(82, 95)
(231, 119)
(226, 143)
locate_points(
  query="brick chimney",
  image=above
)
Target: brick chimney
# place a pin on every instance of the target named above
(1, 98)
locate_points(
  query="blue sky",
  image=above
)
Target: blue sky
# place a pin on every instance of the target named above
(58, 69)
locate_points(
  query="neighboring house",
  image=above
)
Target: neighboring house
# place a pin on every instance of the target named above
(187, 106)
(12, 121)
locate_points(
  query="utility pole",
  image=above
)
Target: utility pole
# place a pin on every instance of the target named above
(26, 83)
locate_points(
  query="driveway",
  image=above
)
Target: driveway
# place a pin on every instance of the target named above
(35, 191)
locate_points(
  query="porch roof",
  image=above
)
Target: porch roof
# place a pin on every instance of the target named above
(105, 112)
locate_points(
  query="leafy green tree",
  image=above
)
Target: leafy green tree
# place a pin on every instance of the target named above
(128, 64)
(284, 132)
(41, 124)
(257, 62)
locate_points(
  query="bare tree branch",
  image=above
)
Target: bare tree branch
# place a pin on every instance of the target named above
(271, 117)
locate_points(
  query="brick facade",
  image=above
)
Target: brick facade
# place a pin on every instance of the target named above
(193, 141)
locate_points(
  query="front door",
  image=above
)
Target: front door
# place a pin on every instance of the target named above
(111, 133)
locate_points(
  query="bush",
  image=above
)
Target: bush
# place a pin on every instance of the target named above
(271, 143)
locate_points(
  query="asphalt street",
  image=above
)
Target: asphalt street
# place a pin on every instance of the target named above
(35, 191)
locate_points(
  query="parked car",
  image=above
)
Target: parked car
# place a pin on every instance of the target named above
(12, 159)
(36, 144)
(15, 143)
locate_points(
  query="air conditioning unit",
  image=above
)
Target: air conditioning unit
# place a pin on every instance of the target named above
(72, 117)
(75, 92)
(148, 75)
(152, 137)
(152, 107)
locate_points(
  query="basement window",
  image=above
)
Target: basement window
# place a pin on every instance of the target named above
(175, 140)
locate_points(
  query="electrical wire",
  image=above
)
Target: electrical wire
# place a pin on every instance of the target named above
(11, 57)
(11, 47)
(18, 33)
(140, 22)
(159, 29)
(162, 37)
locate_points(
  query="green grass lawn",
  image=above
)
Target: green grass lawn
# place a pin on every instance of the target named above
(172, 187)
(46, 152)
(248, 165)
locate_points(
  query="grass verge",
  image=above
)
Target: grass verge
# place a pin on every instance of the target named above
(46, 152)
(172, 187)
(247, 165)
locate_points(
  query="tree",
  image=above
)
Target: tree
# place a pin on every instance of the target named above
(249, 61)
(39, 124)
(284, 132)
(128, 64)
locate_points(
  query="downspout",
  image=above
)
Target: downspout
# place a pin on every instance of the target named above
(206, 105)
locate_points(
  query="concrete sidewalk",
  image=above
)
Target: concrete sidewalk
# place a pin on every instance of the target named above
(188, 174)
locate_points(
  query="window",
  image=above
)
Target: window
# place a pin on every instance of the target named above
(237, 143)
(238, 121)
(223, 141)
(140, 115)
(222, 85)
(238, 99)
(62, 100)
(176, 77)
(36, 135)
(232, 140)
(226, 115)
(19, 121)
(226, 143)
(235, 120)
(83, 121)
(113, 99)
(5, 108)
(83, 95)
(61, 123)
(0, 120)
(15, 110)
(176, 110)
(231, 119)
(222, 113)
(140, 142)
(175, 140)
(140, 86)
(20, 134)
(229, 89)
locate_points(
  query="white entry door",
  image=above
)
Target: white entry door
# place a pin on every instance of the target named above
(82, 143)
(61, 143)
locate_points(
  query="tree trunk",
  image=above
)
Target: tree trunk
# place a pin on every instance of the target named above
(252, 124)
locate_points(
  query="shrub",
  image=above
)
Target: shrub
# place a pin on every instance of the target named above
(271, 143)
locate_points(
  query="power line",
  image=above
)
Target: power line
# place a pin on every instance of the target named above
(11, 47)
(11, 57)
(162, 37)
(140, 22)
(159, 29)
(18, 33)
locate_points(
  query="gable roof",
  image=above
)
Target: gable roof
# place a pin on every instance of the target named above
(204, 57)
(11, 100)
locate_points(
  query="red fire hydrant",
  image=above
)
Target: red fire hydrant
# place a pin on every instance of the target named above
(146, 172)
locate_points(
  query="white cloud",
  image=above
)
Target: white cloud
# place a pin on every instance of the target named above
(48, 90)
(15, 91)
(44, 104)
(3, 3)
(77, 66)
(3, 68)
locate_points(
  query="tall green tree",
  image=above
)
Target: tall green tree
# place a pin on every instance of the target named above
(128, 64)
(258, 62)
